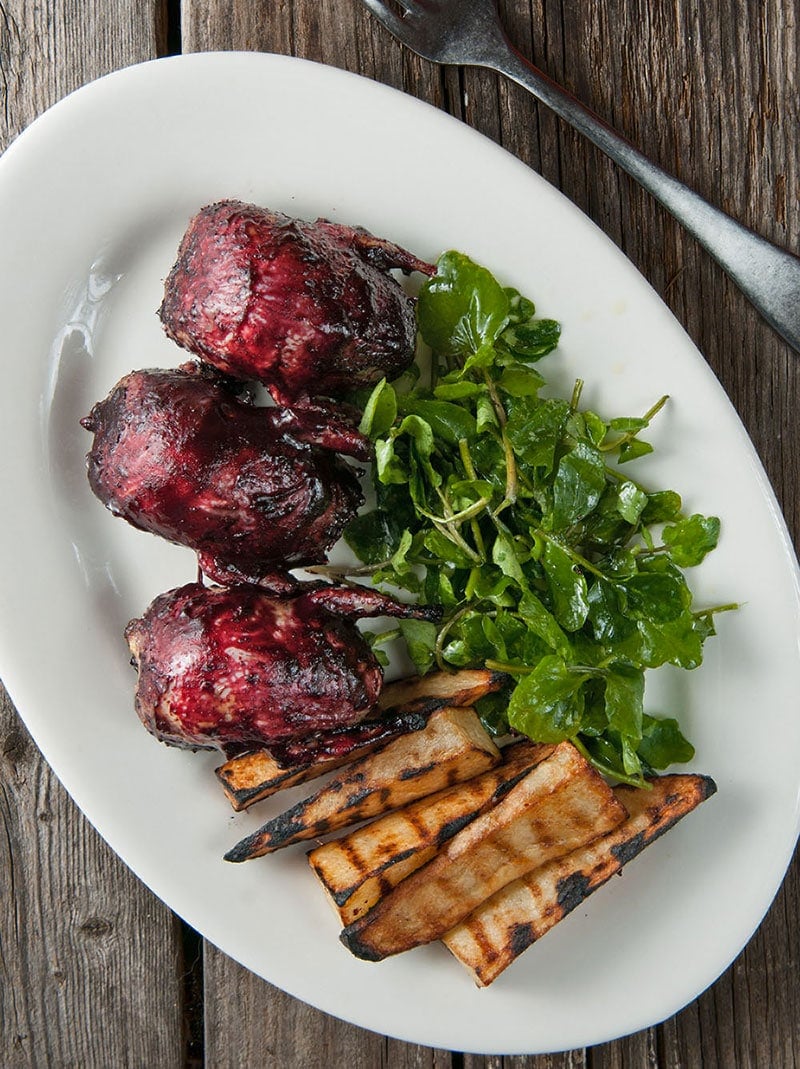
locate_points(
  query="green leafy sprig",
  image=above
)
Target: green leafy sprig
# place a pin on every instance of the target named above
(510, 510)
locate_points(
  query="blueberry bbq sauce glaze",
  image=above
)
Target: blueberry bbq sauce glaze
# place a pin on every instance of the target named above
(177, 453)
(306, 308)
(235, 668)
(311, 311)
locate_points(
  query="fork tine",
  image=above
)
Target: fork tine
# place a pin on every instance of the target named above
(383, 13)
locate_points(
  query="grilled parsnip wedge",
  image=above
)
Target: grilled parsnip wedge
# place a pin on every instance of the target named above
(437, 689)
(558, 806)
(366, 864)
(249, 778)
(500, 929)
(452, 747)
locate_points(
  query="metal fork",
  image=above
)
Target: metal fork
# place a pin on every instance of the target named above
(469, 32)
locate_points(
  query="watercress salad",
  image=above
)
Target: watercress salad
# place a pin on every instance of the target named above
(515, 512)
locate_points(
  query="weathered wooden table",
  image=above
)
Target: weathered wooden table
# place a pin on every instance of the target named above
(94, 971)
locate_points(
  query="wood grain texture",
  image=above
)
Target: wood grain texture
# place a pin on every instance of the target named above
(89, 960)
(708, 90)
(49, 49)
(251, 1023)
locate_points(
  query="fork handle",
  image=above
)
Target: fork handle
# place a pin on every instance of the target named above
(768, 275)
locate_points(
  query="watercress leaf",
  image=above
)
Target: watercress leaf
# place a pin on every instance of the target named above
(405, 580)
(605, 750)
(420, 431)
(662, 743)
(380, 410)
(579, 482)
(398, 561)
(628, 424)
(420, 637)
(459, 653)
(445, 592)
(440, 546)
(605, 527)
(690, 540)
(371, 537)
(662, 506)
(676, 642)
(567, 586)
(546, 704)
(530, 649)
(575, 427)
(457, 391)
(510, 627)
(533, 339)
(482, 358)
(489, 460)
(504, 555)
(420, 467)
(631, 764)
(462, 308)
(469, 638)
(624, 708)
(520, 381)
(535, 430)
(620, 563)
(609, 623)
(485, 414)
(446, 421)
(632, 449)
(493, 712)
(543, 623)
(596, 428)
(491, 584)
(630, 501)
(375, 535)
(465, 492)
(520, 309)
(495, 638)
(704, 625)
(388, 466)
(656, 596)
(378, 653)
(595, 718)
(429, 586)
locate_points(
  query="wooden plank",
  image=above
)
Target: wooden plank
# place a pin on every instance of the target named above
(89, 960)
(49, 49)
(639, 1051)
(571, 1059)
(683, 64)
(749, 1017)
(251, 1023)
(707, 92)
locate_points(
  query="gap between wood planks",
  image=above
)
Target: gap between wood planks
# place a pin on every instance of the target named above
(173, 45)
(191, 942)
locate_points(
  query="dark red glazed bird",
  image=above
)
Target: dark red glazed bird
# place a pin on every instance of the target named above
(251, 489)
(237, 669)
(308, 309)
